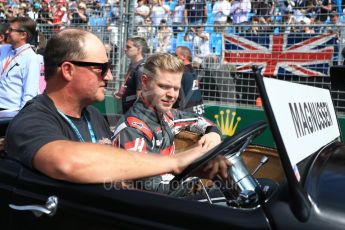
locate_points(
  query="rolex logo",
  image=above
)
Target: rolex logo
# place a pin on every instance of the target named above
(228, 125)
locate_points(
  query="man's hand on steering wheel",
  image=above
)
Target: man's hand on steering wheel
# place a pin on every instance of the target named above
(218, 165)
(209, 140)
(228, 147)
(186, 157)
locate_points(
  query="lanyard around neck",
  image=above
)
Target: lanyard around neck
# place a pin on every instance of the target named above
(75, 129)
(9, 60)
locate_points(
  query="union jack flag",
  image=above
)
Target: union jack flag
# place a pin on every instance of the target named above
(285, 54)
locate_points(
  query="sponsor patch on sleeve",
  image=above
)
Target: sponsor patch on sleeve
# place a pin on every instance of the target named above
(140, 125)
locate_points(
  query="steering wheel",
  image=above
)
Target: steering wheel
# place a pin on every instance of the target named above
(228, 147)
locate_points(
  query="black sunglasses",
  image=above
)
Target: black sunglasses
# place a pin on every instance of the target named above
(104, 66)
(10, 29)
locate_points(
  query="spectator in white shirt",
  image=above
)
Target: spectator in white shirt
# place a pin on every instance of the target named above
(164, 37)
(221, 11)
(289, 22)
(239, 11)
(177, 17)
(141, 12)
(33, 12)
(201, 43)
(159, 11)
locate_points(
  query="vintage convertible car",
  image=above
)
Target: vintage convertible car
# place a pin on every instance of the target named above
(305, 185)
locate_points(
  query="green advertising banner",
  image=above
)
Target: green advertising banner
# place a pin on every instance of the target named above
(232, 119)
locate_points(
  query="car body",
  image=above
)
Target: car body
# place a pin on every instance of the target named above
(314, 200)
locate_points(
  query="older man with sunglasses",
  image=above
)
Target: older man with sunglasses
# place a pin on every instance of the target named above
(59, 134)
(19, 65)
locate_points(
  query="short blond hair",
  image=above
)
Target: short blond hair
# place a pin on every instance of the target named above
(164, 62)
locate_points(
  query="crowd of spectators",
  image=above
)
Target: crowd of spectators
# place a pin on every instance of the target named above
(166, 24)
(162, 23)
(216, 15)
(177, 14)
(61, 13)
(221, 14)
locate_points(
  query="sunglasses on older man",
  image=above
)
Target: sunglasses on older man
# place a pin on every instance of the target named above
(104, 66)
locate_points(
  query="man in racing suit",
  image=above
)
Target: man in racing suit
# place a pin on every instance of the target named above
(135, 50)
(151, 124)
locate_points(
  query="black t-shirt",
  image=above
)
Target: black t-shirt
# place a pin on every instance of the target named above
(263, 8)
(195, 10)
(77, 19)
(44, 16)
(323, 14)
(39, 123)
(133, 84)
(190, 98)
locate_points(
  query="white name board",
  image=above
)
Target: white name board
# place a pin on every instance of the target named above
(305, 116)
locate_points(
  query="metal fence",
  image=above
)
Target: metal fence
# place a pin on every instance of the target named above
(221, 81)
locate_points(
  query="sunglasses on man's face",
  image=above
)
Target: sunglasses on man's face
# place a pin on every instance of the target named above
(104, 66)
(10, 29)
